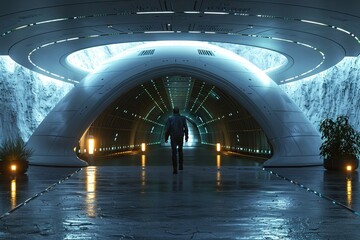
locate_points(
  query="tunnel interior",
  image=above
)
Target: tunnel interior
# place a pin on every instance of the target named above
(139, 116)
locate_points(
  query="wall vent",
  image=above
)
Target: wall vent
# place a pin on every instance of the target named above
(147, 52)
(205, 52)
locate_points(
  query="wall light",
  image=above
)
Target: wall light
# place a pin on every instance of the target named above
(218, 147)
(91, 143)
(143, 147)
(349, 168)
(13, 167)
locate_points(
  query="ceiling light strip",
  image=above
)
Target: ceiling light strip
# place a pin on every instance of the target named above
(154, 32)
(197, 97)
(189, 90)
(152, 98)
(205, 99)
(147, 115)
(155, 12)
(246, 35)
(185, 12)
(157, 91)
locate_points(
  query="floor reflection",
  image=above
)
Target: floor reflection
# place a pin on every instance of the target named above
(218, 173)
(13, 193)
(91, 191)
(143, 172)
(349, 191)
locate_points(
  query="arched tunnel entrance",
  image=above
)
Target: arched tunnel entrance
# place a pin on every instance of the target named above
(139, 116)
(226, 92)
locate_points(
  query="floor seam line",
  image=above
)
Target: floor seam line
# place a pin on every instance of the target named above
(314, 192)
(49, 188)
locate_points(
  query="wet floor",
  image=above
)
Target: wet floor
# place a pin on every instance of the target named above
(217, 196)
(193, 156)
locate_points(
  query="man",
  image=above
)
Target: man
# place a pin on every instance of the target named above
(176, 128)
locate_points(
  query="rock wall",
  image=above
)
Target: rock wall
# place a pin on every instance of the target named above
(329, 94)
(25, 98)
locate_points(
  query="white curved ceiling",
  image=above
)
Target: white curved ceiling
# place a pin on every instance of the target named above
(313, 35)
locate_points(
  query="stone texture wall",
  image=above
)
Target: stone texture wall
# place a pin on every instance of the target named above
(329, 94)
(25, 98)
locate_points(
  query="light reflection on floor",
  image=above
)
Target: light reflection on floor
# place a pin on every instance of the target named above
(193, 156)
(13, 193)
(91, 191)
(216, 196)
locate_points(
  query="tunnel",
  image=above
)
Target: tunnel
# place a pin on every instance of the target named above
(140, 115)
(226, 100)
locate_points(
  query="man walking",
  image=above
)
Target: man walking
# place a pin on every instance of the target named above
(176, 128)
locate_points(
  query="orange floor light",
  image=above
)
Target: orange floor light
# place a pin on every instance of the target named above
(13, 167)
(143, 147)
(349, 168)
(218, 147)
(91, 142)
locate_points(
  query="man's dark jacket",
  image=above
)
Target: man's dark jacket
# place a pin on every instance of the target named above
(176, 128)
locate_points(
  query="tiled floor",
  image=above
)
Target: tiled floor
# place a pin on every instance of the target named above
(215, 197)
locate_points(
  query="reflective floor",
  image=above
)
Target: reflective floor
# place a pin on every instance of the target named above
(217, 196)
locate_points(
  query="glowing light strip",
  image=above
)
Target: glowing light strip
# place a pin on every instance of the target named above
(315, 192)
(192, 12)
(146, 119)
(207, 112)
(169, 12)
(154, 32)
(247, 35)
(313, 22)
(197, 97)
(156, 12)
(152, 99)
(147, 115)
(217, 13)
(186, 12)
(208, 122)
(46, 190)
(52, 20)
(205, 99)
(188, 93)
(157, 91)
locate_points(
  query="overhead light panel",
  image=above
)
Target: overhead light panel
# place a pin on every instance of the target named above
(217, 13)
(156, 12)
(192, 12)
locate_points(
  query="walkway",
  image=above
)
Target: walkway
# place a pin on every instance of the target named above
(215, 197)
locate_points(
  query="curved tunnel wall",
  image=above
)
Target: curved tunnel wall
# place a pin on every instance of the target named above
(140, 115)
(295, 141)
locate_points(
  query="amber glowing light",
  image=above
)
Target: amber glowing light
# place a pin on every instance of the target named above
(348, 168)
(218, 147)
(91, 143)
(143, 147)
(13, 167)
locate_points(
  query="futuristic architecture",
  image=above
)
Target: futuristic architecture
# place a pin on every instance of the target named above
(293, 139)
(313, 36)
(101, 168)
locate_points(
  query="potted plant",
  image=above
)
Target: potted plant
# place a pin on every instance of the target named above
(14, 156)
(341, 144)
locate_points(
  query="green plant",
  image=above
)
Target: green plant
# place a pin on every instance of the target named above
(340, 138)
(14, 149)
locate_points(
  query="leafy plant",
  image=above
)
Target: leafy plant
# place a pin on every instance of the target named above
(340, 138)
(14, 149)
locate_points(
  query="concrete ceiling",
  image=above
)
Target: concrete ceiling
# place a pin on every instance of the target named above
(313, 35)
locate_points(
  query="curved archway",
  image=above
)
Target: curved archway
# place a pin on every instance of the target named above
(295, 142)
(139, 116)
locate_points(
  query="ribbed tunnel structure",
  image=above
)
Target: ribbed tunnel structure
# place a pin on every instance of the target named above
(213, 117)
(226, 99)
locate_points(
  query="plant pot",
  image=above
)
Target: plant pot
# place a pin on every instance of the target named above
(6, 167)
(340, 163)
